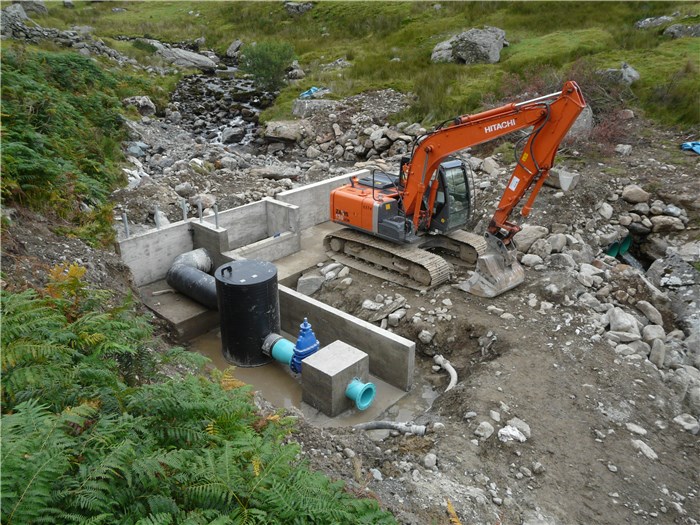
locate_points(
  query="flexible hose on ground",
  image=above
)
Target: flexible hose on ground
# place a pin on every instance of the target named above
(406, 428)
(444, 363)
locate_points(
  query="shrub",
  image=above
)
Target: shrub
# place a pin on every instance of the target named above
(267, 62)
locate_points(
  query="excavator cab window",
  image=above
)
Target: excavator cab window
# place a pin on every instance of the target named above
(452, 207)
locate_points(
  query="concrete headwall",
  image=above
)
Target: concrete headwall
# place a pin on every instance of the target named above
(391, 357)
(150, 255)
(315, 198)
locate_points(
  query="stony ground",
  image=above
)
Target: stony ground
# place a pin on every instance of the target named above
(599, 392)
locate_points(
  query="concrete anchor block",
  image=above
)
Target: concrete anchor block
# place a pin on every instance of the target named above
(327, 373)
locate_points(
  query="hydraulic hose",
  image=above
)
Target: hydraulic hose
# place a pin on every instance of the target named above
(445, 364)
(405, 428)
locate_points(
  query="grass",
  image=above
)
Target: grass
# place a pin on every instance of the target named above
(551, 34)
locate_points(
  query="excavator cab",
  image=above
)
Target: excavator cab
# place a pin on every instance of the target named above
(454, 199)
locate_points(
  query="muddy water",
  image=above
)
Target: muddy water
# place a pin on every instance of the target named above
(282, 388)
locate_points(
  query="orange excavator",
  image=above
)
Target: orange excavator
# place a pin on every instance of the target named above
(397, 223)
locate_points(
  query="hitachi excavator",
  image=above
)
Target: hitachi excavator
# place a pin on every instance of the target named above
(393, 222)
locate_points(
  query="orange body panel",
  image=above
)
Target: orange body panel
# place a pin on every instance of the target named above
(354, 205)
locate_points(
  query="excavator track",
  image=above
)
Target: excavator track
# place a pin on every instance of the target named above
(407, 264)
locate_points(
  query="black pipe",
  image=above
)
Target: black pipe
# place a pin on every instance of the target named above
(188, 275)
(195, 284)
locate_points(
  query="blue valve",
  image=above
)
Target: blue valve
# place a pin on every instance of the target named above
(307, 344)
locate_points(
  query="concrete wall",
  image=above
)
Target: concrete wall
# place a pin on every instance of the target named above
(314, 199)
(269, 249)
(281, 217)
(391, 357)
(150, 255)
(245, 225)
(212, 239)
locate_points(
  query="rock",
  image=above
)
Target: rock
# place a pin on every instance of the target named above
(654, 22)
(143, 104)
(688, 422)
(287, 130)
(531, 260)
(206, 199)
(520, 425)
(651, 332)
(484, 430)
(511, 433)
(634, 194)
(582, 127)
(665, 223)
(645, 449)
(471, 47)
(184, 189)
(636, 429)
(349, 453)
(376, 474)
(183, 58)
(526, 237)
(233, 135)
(298, 8)
(310, 283)
(234, 50)
(490, 166)
(605, 210)
(36, 6)
(13, 13)
(563, 179)
(623, 149)
(658, 353)
(425, 336)
(621, 321)
(430, 461)
(650, 312)
(625, 75)
(394, 318)
(681, 31)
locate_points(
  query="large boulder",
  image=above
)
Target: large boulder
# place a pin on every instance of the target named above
(37, 7)
(287, 130)
(183, 58)
(582, 127)
(234, 50)
(681, 30)
(626, 75)
(298, 8)
(143, 104)
(526, 237)
(476, 46)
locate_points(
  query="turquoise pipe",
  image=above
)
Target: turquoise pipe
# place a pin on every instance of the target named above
(283, 351)
(619, 248)
(625, 245)
(361, 393)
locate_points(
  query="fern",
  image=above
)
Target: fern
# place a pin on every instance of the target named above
(82, 444)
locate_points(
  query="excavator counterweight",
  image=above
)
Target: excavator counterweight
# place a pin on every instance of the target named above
(427, 205)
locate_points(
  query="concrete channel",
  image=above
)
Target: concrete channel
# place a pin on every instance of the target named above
(286, 231)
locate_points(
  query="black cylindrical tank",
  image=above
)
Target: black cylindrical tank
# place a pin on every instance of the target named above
(248, 309)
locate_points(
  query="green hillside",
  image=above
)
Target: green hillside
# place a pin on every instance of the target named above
(549, 36)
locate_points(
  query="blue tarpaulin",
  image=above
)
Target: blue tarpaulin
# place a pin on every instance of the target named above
(692, 146)
(309, 92)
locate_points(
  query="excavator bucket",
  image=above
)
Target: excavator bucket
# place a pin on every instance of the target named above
(497, 271)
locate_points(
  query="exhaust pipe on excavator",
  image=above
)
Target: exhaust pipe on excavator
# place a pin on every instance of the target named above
(497, 270)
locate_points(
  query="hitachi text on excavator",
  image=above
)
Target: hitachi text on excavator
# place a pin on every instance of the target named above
(394, 221)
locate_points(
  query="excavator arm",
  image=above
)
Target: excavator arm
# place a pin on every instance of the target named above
(550, 116)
